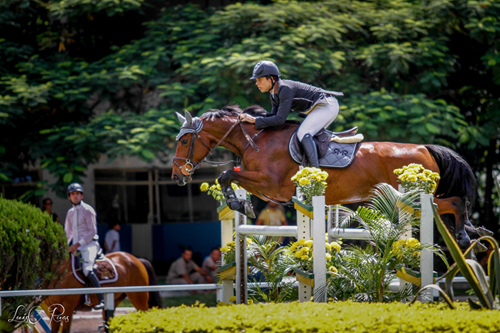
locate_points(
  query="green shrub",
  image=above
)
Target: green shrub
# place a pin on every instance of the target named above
(31, 246)
(311, 317)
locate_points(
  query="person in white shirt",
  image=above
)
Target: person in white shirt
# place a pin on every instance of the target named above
(112, 239)
(81, 229)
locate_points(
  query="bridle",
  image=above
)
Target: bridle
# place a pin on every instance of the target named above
(190, 165)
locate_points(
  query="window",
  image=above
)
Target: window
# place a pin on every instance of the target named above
(150, 196)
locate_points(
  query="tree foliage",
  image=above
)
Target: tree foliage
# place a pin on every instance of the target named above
(419, 71)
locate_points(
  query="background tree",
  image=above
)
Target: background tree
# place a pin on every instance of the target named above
(418, 71)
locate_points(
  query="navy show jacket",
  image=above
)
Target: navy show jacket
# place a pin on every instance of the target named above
(292, 96)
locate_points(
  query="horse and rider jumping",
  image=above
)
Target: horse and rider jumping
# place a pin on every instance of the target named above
(261, 140)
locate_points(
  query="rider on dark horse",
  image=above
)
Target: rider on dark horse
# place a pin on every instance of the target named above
(320, 106)
(81, 228)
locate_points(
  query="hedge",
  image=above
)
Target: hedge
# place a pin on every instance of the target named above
(311, 317)
(32, 246)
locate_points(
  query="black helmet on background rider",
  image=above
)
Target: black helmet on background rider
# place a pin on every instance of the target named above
(75, 187)
(265, 68)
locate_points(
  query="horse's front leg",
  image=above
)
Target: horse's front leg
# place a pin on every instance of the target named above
(240, 205)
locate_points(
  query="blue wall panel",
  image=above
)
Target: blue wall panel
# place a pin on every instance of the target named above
(168, 239)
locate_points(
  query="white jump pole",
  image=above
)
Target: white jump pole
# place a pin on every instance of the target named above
(303, 232)
(241, 254)
(319, 249)
(426, 237)
(227, 227)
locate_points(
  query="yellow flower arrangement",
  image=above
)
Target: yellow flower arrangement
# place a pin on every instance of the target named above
(407, 251)
(215, 190)
(415, 176)
(302, 253)
(229, 251)
(311, 182)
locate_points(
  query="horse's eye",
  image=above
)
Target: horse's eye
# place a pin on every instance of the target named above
(184, 142)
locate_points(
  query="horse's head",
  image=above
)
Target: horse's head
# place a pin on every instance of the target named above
(191, 148)
(198, 137)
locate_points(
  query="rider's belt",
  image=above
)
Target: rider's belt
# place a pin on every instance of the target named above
(323, 100)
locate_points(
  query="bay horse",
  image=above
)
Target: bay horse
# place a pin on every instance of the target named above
(268, 166)
(131, 272)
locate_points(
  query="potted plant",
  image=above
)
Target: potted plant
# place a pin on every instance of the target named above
(301, 253)
(227, 270)
(310, 182)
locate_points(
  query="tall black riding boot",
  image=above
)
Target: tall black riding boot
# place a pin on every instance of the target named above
(311, 150)
(95, 283)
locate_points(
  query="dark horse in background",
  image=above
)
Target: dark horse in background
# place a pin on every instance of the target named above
(131, 272)
(268, 165)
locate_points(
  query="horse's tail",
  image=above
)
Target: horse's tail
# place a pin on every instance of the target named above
(154, 296)
(457, 177)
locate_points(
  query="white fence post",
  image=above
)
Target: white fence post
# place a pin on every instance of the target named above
(303, 232)
(227, 227)
(109, 308)
(319, 248)
(426, 237)
(241, 255)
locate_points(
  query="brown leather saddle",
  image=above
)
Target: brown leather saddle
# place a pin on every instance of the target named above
(104, 269)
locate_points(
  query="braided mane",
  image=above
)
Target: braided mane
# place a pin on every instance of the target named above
(233, 110)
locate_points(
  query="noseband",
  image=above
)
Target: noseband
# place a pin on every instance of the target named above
(190, 166)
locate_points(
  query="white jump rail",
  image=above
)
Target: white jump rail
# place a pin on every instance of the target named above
(109, 299)
(107, 291)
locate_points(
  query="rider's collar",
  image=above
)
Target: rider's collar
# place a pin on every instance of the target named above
(194, 128)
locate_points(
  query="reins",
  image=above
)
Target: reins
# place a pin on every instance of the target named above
(190, 166)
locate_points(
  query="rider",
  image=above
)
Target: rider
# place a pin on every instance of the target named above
(320, 106)
(81, 228)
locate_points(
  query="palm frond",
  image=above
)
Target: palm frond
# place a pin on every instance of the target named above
(388, 201)
(441, 291)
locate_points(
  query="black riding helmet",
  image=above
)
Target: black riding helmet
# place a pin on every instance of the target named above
(75, 187)
(265, 68)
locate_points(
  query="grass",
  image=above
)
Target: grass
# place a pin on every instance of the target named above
(207, 299)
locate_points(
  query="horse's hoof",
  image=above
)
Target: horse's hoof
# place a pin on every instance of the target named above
(479, 247)
(245, 207)
(482, 231)
(234, 205)
(248, 209)
(462, 239)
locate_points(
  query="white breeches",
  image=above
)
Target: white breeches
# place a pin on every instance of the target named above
(89, 253)
(320, 117)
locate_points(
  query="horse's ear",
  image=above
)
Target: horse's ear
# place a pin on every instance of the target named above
(180, 117)
(189, 119)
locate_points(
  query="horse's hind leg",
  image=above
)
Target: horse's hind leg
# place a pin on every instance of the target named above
(241, 205)
(463, 227)
(455, 206)
(66, 325)
(139, 300)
